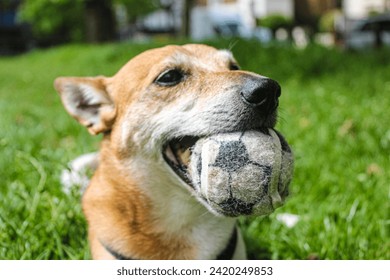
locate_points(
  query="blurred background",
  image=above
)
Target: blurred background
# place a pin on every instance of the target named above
(352, 24)
(331, 57)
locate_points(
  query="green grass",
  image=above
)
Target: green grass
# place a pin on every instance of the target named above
(334, 112)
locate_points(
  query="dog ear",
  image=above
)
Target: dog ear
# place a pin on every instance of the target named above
(88, 101)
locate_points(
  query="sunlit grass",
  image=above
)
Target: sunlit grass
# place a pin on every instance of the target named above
(334, 112)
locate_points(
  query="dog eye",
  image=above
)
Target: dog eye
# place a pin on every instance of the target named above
(170, 78)
(234, 67)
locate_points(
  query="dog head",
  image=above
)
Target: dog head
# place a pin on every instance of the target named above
(163, 101)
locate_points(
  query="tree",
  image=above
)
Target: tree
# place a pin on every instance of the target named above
(186, 18)
(60, 19)
(78, 20)
(99, 21)
(136, 8)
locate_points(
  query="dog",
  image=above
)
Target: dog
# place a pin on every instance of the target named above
(138, 204)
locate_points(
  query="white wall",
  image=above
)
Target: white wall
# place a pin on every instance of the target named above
(202, 18)
(356, 9)
(201, 26)
(266, 7)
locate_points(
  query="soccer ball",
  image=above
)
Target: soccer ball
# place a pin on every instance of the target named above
(242, 173)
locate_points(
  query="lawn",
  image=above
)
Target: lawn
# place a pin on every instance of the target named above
(334, 112)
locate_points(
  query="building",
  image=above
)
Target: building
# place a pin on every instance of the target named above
(209, 18)
(358, 9)
(219, 17)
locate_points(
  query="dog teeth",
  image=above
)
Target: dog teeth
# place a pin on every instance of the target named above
(184, 156)
(171, 156)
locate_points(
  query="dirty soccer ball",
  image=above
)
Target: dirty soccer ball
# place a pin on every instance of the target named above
(242, 173)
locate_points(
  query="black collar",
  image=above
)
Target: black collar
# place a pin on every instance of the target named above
(226, 254)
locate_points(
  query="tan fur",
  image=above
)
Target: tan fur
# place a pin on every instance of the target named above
(119, 204)
(119, 217)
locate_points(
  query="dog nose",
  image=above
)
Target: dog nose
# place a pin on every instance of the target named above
(262, 93)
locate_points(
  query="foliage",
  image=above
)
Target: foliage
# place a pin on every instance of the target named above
(66, 17)
(333, 111)
(136, 8)
(48, 17)
(327, 21)
(275, 21)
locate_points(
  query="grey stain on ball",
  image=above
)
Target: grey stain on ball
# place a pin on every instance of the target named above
(233, 155)
(236, 207)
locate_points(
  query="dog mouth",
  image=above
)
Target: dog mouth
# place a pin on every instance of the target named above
(234, 173)
(177, 153)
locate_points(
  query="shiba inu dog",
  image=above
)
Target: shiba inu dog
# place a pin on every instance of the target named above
(141, 202)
